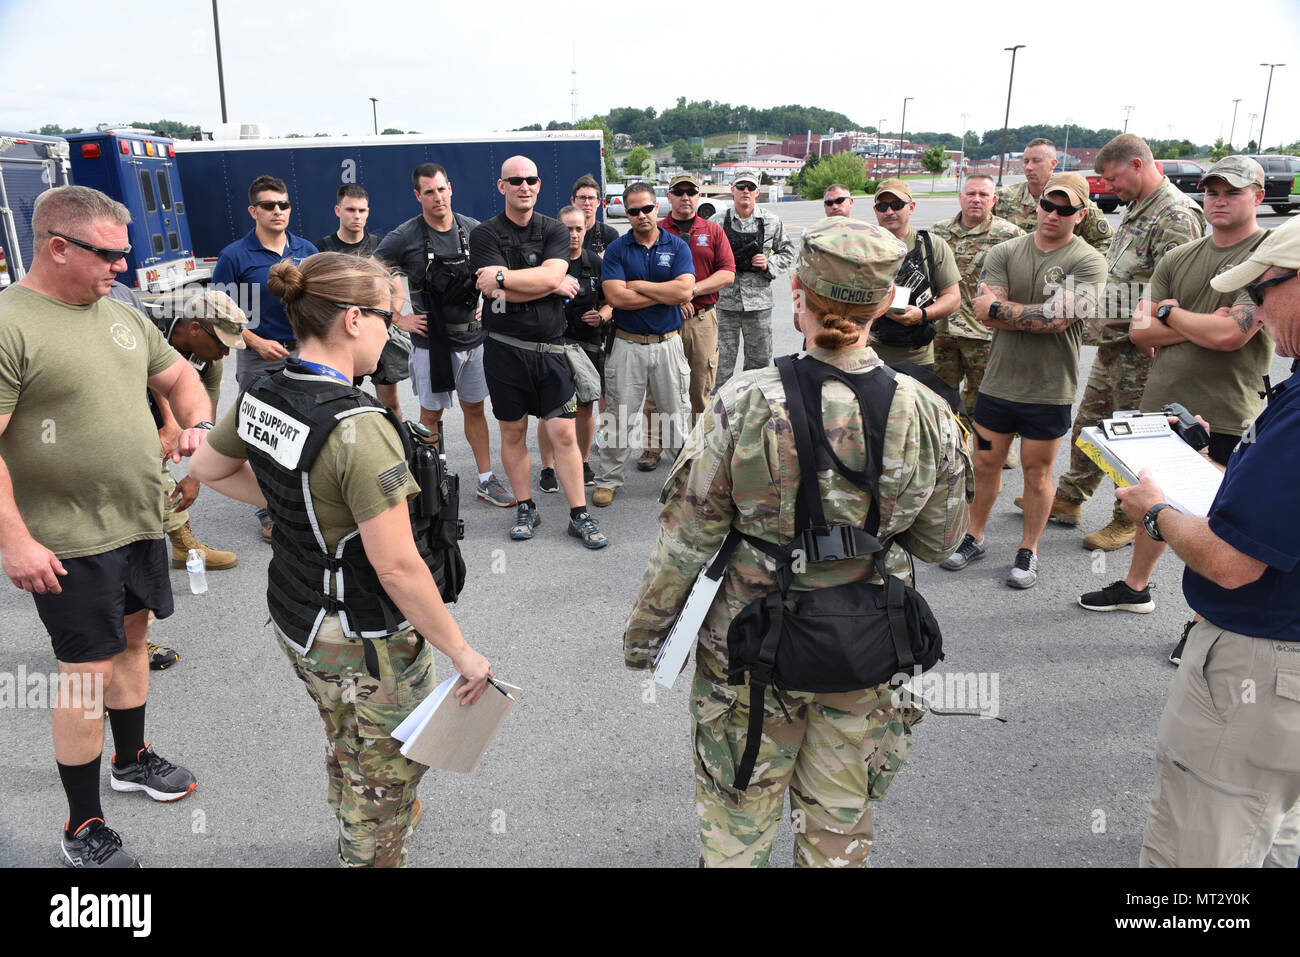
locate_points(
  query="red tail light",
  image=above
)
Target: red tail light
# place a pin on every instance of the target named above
(171, 150)
(126, 149)
(90, 151)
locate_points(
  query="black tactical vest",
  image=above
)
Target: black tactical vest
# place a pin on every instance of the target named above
(744, 246)
(587, 298)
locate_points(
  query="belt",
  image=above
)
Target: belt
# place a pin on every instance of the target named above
(527, 345)
(643, 340)
(462, 326)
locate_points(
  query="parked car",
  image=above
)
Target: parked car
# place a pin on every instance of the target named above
(1184, 174)
(614, 202)
(1280, 174)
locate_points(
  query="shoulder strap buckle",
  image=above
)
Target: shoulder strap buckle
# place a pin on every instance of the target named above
(838, 542)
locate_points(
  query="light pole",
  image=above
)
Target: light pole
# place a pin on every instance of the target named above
(901, 134)
(1002, 157)
(1250, 129)
(374, 111)
(1127, 111)
(1264, 118)
(961, 160)
(1068, 121)
(1232, 129)
(221, 79)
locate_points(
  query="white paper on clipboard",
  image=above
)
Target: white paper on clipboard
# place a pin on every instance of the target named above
(1188, 480)
(681, 638)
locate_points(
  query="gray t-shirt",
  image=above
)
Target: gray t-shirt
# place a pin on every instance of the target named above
(407, 248)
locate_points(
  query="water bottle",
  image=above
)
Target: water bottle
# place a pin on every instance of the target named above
(197, 568)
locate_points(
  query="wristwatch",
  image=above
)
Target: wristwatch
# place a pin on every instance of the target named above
(995, 310)
(925, 316)
(1149, 521)
(203, 425)
(501, 279)
(1163, 313)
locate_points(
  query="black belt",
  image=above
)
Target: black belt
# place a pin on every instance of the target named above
(463, 326)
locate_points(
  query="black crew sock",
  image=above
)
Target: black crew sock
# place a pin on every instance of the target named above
(128, 734)
(528, 501)
(577, 512)
(81, 785)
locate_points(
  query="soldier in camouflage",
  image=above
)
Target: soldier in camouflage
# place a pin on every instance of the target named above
(961, 348)
(837, 752)
(1018, 204)
(1159, 218)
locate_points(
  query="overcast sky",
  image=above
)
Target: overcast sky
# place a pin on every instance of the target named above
(466, 68)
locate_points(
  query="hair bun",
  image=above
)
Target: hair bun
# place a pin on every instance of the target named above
(285, 281)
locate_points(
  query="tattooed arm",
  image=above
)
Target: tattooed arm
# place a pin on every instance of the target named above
(1065, 307)
(1224, 330)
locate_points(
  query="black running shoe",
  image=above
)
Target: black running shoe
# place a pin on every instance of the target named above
(161, 657)
(588, 476)
(1176, 656)
(94, 845)
(1117, 596)
(154, 775)
(547, 482)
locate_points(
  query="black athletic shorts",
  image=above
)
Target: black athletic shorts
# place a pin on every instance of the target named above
(1029, 420)
(523, 382)
(85, 620)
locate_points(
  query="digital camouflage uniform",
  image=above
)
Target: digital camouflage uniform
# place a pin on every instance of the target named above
(961, 348)
(1018, 206)
(739, 467)
(1163, 221)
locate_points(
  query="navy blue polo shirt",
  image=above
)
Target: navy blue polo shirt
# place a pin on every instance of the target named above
(1257, 512)
(243, 266)
(626, 259)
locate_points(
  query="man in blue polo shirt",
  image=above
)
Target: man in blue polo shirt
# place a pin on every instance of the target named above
(241, 273)
(1228, 750)
(647, 275)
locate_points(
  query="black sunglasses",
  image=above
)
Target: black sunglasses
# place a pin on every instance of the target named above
(212, 335)
(109, 256)
(744, 187)
(685, 191)
(383, 314)
(834, 202)
(642, 210)
(1061, 209)
(271, 204)
(518, 180)
(1256, 289)
(893, 204)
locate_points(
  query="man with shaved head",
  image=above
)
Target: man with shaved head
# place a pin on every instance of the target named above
(521, 263)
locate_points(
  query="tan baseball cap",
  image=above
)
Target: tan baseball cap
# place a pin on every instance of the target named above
(849, 261)
(1071, 184)
(1281, 248)
(1237, 171)
(898, 187)
(227, 319)
(687, 178)
(745, 176)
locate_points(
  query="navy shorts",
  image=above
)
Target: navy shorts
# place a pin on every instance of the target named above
(85, 620)
(1030, 420)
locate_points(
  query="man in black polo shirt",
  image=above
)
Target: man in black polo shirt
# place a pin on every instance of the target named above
(520, 260)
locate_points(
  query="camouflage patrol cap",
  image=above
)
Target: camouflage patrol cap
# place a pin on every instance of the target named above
(1071, 184)
(745, 176)
(849, 261)
(1237, 171)
(898, 187)
(227, 319)
(1281, 248)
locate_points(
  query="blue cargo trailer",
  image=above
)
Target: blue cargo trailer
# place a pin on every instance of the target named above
(29, 165)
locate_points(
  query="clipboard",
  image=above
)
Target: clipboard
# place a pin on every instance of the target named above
(1126, 444)
(686, 628)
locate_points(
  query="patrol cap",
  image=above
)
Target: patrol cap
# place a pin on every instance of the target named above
(1071, 184)
(745, 176)
(898, 187)
(849, 261)
(1281, 248)
(1237, 171)
(687, 178)
(227, 319)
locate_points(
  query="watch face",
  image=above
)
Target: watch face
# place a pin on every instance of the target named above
(1163, 312)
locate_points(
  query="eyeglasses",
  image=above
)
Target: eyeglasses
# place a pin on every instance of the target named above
(685, 191)
(1256, 289)
(212, 335)
(518, 180)
(744, 187)
(586, 199)
(1061, 209)
(273, 204)
(383, 314)
(642, 210)
(109, 256)
(890, 204)
(834, 202)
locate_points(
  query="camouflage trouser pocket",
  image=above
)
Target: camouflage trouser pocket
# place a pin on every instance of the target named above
(713, 707)
(891, 751)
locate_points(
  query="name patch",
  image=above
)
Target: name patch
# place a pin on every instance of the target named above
(279, 435)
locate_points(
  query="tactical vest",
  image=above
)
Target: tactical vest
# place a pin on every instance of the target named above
(744, 246)
(587, 298)
(916, 273)
(450, 283)
(284, 420)
(524, 251)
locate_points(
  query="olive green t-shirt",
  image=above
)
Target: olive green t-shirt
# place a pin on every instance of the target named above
(359, 473)
(81, 446)
(1221, 387)
(1038, 367)
(945, 273)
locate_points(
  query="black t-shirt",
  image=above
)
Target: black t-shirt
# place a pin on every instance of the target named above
(585, 269)
(598, 237)
(493, 243)
(332, 244)
(404, 248)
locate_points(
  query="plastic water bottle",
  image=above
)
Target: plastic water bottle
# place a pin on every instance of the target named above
(197, 568)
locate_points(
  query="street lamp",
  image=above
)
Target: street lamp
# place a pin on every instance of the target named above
(221, 79)
(1232, 129)
(1127, 110)
(901, 134)
(1250, 130)
(1068, 121)
(1264, 118)
(374, 110)
(1002, 158)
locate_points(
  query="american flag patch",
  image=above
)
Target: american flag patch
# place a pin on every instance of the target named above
(393, 479)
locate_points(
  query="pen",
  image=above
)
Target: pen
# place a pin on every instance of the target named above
(493, 683)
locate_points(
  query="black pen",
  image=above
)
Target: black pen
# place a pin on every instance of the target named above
(493, 683)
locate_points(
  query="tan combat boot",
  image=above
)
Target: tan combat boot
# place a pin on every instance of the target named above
(1063, 511)
(1117, 534)
(183, 540)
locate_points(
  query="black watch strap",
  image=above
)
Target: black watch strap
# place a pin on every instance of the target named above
(1149, 521)
(994, 310)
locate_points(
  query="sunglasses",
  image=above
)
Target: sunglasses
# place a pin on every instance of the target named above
(109, 256)
(744, 187)
(1061, 209)
(1256, 289)
(685, 191)
(383, 314)
(890, 204)
(212, 335)
(834, 202)
(519, 180)
(273, 204)
(642, 210)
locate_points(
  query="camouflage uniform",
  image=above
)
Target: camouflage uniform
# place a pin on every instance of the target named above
(372, 788)
(1164, 220)
(1019, 207)
(961, 348)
